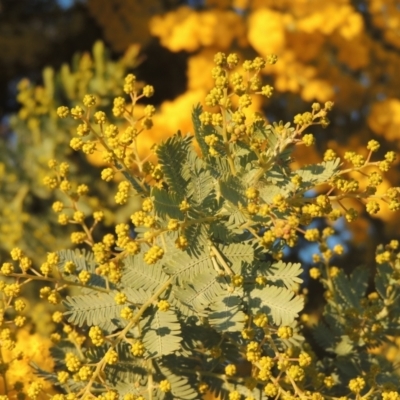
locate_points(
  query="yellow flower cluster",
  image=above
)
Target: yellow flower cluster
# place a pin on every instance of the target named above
(126, 313)
(181, 242)
(163, 305)
(253, 352)
(186, 29)
(84, 373)
(137, 348)
(296, 373)
(52, 296)
(260, 320)
(265, 366)
(357, 384)
(285, 332)
(72, 362)
(154, 254)
(120, 298)
(111, 357)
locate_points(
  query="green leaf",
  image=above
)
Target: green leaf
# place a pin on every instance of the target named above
(84, 261)
(286, 273)
(196, 235)
(185, 268)
(270, 190)
(315, 174)
(344, 347)
(139, 275)
(359, 281)
(200, 293)
(166, 204)
(382, 279)
(324, 336)
(200, 131)
(219, 168)
(182, 387)
(220, 232)
(237, 252)
(93, 309)
(172, 156)
(231, 190)
(226, 314)
(280, 303)
(161, 334)
(236, 218)
(136, 296)
(346, 291)
(201, 190)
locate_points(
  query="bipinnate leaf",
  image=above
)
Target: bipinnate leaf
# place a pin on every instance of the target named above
(286, 273)
(196, 236)
(382, 279)
(166, 204)
(219, 168)
(139, 275)
(226, 314)
(140, 189)
(345, 346)
(316, 174)
(324, 336)
(237, 252)
(346, 291)
(83, 259)
(279, 303)
(181, 387)
(185, 267)
(162, 334)
(172, 156)
(198, 295)
(200, 183)
(93, 309)
(231, 190)
(359, 281)
(200, 131)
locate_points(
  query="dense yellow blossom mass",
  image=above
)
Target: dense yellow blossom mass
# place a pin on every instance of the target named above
(32, 348)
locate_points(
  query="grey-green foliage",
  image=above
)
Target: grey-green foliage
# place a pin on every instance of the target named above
(161, 333)
(208, 308)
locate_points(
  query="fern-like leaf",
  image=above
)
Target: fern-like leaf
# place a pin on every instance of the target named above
(166, 204)
(93, 309)
(172, 156)
(382, 279)
(237, 252)
(161, 334)
(142, 189)
(201, 190)
(345, 290)
(226, 314)
(280, 303)
(316, 174)
(200, 131)
(182, 387)
(324, 337)
(84, 261)
(232, 191)
(142, 276)
(185, 268)
(285, 273)
(196, 236)
(359, 281)
(200, 293)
